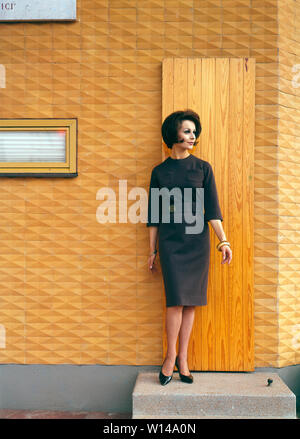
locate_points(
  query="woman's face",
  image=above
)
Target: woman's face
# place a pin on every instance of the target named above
(186, 135)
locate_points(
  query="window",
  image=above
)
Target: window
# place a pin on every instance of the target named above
(38, 147)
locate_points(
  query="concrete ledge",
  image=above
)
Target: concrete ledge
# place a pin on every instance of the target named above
(93, 388)
(213, 395)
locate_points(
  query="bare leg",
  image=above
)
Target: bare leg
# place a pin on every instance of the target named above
(188, 314)
(173, 322)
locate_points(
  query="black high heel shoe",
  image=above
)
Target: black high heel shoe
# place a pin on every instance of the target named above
(185, 378)
(164, 379)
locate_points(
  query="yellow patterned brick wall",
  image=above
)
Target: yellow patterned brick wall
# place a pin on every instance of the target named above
(76, 291)
(288, 184)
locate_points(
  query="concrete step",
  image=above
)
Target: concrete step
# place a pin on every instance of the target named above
(213, 395)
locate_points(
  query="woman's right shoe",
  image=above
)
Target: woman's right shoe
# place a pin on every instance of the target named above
(185, 378)
(164, 379)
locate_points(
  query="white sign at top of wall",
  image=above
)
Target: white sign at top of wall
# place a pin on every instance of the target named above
(30, 10)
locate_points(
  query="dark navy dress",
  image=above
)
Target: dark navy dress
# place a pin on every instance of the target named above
(184, 258)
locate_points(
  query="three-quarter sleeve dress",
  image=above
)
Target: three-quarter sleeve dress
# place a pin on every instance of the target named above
(184, 258)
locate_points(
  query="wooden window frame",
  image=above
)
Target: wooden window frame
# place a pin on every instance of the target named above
(43, 169)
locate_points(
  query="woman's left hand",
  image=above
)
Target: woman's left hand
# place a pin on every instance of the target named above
(226, 253)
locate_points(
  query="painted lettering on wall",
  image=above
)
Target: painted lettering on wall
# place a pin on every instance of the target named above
(32, 10)
(7, 6)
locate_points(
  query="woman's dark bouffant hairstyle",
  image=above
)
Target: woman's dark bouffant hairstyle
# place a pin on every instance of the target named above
(172, 123)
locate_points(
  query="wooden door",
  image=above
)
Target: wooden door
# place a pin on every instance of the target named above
(222, 92)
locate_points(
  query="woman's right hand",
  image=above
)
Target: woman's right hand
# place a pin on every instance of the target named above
(151, 263)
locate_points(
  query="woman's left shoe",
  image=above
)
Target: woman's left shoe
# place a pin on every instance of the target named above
(185, 378)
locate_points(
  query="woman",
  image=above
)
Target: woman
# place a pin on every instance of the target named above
(184, 257)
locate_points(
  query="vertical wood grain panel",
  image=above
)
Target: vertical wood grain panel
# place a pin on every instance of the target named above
(222, 92)
(167, 92)
(235, 214)
(208, 145)
(180, 83)
(221, 175)
(248, 213)
(194, 102)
